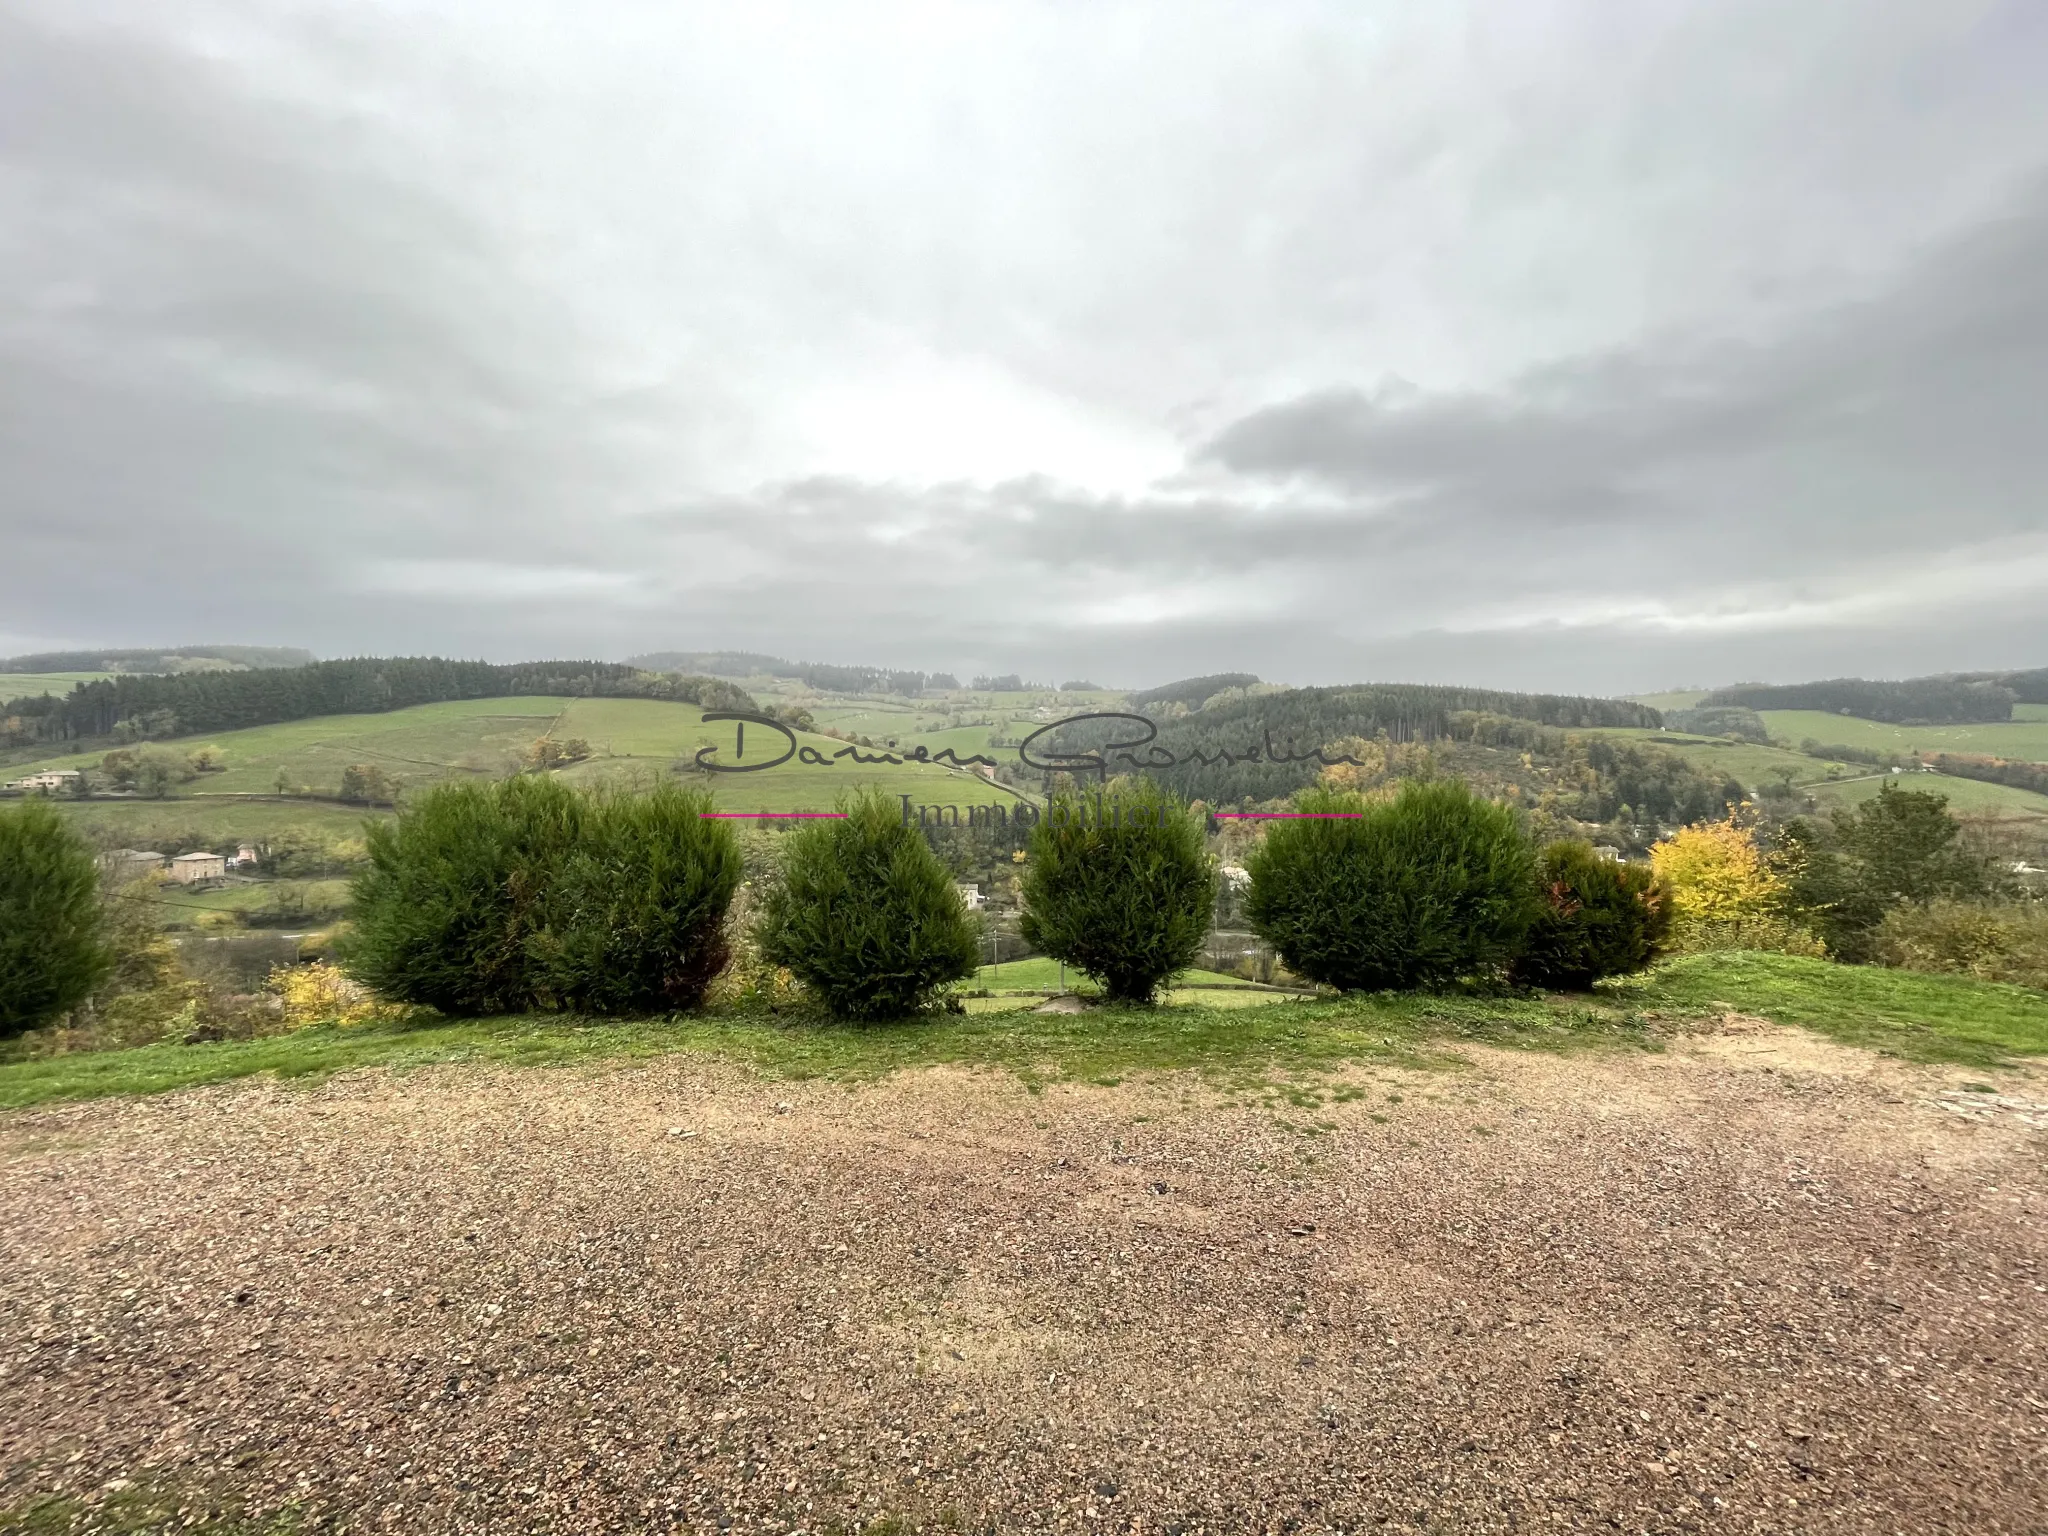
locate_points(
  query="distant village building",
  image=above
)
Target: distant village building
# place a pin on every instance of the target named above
(970, 893)
(56, 779)
(245, 858)
(131, 863)
(188, 868)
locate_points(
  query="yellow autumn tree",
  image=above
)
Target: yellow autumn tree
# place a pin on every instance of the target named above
(1724, 892)
(1383, 760)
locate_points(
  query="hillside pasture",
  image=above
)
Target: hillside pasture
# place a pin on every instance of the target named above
(487, 738)
(20, 685)
(319, 900)
(2024, 737)
(1965, 796)
(1748, 763)
(423, 744)
(182, 825)
(640, 739)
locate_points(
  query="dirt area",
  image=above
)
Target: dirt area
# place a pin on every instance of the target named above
(1752, 1283)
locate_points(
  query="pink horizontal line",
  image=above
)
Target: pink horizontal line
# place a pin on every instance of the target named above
(769, 815)
(1285, 815)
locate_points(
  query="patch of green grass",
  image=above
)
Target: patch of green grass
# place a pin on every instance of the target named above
(1039, 974)
(1925, 1018)
(318, 896)
(1242, 1045)
(1902, 1013)
(144, 1508)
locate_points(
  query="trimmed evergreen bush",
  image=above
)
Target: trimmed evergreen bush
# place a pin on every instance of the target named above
(635, 916)
(52, 953)
(1595, 917)
(1418, 890)
(497, 898)
(454, 892)
(865, 915)
(1120, 886)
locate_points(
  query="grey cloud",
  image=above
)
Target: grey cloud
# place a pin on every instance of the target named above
(424, 329)
(1918, 407)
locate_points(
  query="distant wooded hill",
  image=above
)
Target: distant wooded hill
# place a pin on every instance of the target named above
(1299, 720)
(1958, 700)
(150, 707)
(1191, 691)
(826, 677)
(178, 658)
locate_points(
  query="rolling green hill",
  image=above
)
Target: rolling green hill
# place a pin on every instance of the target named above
(628, 738)
(1748, 763)
(179, 826)
(2025, 736)
(1832, 783)
(1964, 795)
(27, 685)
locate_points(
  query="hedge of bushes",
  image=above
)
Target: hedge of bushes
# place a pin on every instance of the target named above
(526, 894)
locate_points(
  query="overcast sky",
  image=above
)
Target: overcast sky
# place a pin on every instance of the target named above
(1591, 347)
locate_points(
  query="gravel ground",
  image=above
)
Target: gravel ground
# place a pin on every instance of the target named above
(1752, 1283)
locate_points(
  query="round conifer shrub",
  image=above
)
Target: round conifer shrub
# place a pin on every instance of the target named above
(1119, 886)
(52, 951)
(1419, 890)
(865, 916)
(634, 918)
(456, 890)
(1595, 917)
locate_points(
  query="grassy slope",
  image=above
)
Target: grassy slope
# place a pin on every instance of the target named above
(430, 741)
(473, 737)
(18, 685)
(1680, 698)
(1746, 762)
(1752, 765)
(1964, 795)
(2024, 737)
(161, 823)
(321, 896)
(1932, 1018)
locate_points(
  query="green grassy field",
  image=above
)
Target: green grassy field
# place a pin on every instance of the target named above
(426, 743)
(1746, 762)
(323, 899)
(1039, 974)
(17, 685)
(2024, 737)
(167, 823)
(1277, 1050)
(487, 737)
(1753, 766)
(1964, 795)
